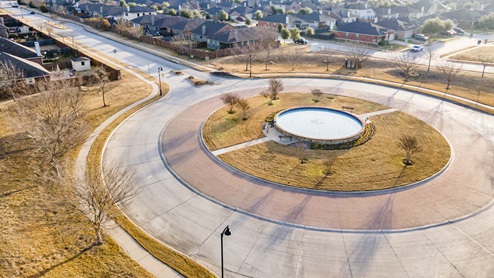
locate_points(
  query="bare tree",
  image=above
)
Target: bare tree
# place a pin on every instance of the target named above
(100, 195)
(430, 52)
(410, 145)
(317, 94)
(292, 55)
(185, 43)
(265, 93)
(267, 43)
(329, 162)
(406, 62)
(358, 53)
(125, 27)
(275, 87)
(10, 79)
(450, 71)
(101, 79)
(49, 30)
(486, 61)
(230, 99)
(301, 151)
(244, 106)
(53, 119)
(327, 60)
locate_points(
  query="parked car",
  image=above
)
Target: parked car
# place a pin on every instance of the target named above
(459, 31)
(421, 37)
(449, 33)
(32, 13)
(301, 41)
(240, 18)
(416, 48)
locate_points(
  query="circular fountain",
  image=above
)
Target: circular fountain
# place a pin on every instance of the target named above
(319, 125)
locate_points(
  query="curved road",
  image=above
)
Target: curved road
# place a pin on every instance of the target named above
(260, 247)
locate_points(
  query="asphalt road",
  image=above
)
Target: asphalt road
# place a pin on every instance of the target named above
(191, 222)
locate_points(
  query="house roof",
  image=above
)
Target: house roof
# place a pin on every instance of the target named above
(30, 69)
(182, 24)
(315, 17)
(241, 10)
(141, 9)
(148, 19)
(214, 11)
(280, 18)
(395, 24)
(464, 15)
(212, 27)
(16, 49)
(102, 9)
(235, 35)
(403, 10)
(366, 28)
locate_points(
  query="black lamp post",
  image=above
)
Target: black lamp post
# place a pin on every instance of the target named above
(226, 232)
(250, 60)
(159, 78)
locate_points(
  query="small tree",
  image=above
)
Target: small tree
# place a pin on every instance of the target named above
(275, 87)
(267, 43)
(248, 21)
(430, 52)
(222, 15)
(101, 194)
(285, 34)
(101, 79)
(486, 61)
(258, 15)
(317, 94)
(327, 60)
(358, 53)
(406, 62)
(450, 71)
(305, 10)
(410, 145)
(10, 79)
(301, 152)
(310, 31)
(243, 104)
(292, 56)
(280, 26)
(294, 33)
(49, 30)
(230, 99)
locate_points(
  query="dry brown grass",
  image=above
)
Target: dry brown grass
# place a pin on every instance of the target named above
(469, 85)
(377, 164)
(31, 244)
(476, 54)
(223, 130)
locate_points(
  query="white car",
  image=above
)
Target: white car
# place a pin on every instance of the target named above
(416, 48)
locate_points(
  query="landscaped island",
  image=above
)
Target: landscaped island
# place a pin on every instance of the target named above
(377, 164)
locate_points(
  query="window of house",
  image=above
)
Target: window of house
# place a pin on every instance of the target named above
(82, 63)
(126, 14)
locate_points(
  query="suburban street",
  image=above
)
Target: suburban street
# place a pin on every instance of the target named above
(439, 228)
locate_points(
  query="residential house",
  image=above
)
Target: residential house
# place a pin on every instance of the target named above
(292, 6)
(288, 21)
(429, 7)
(208, 29)
(214, 12)
(31, 71)
(407, 11)
(401, 29)
(342, 16)
(317, 20)
(242, 11)
(366, 32)
(177, 25)
(137, 11)
(385, 13)
(19, 50)
(232, 37)
(100, 10)
(465, 18)
(362, 11)
(81, 63)
(151, 23)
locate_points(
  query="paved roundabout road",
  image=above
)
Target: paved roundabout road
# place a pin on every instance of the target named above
(442, 228)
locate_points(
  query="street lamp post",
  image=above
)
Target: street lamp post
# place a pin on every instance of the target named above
(226, 232)
(159, 78)
(250, 61)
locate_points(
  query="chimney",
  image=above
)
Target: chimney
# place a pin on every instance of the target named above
(365, 5)
(422, 9)
(286, 19)
(37, 49)
(235, 32)
(389, 11)
(245, 3)
(203, 30)
(101, 10)
(152, 20)
(128, 8)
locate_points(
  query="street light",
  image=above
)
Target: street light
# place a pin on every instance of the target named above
(226, 231)
(161, 92)
(250, 59)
